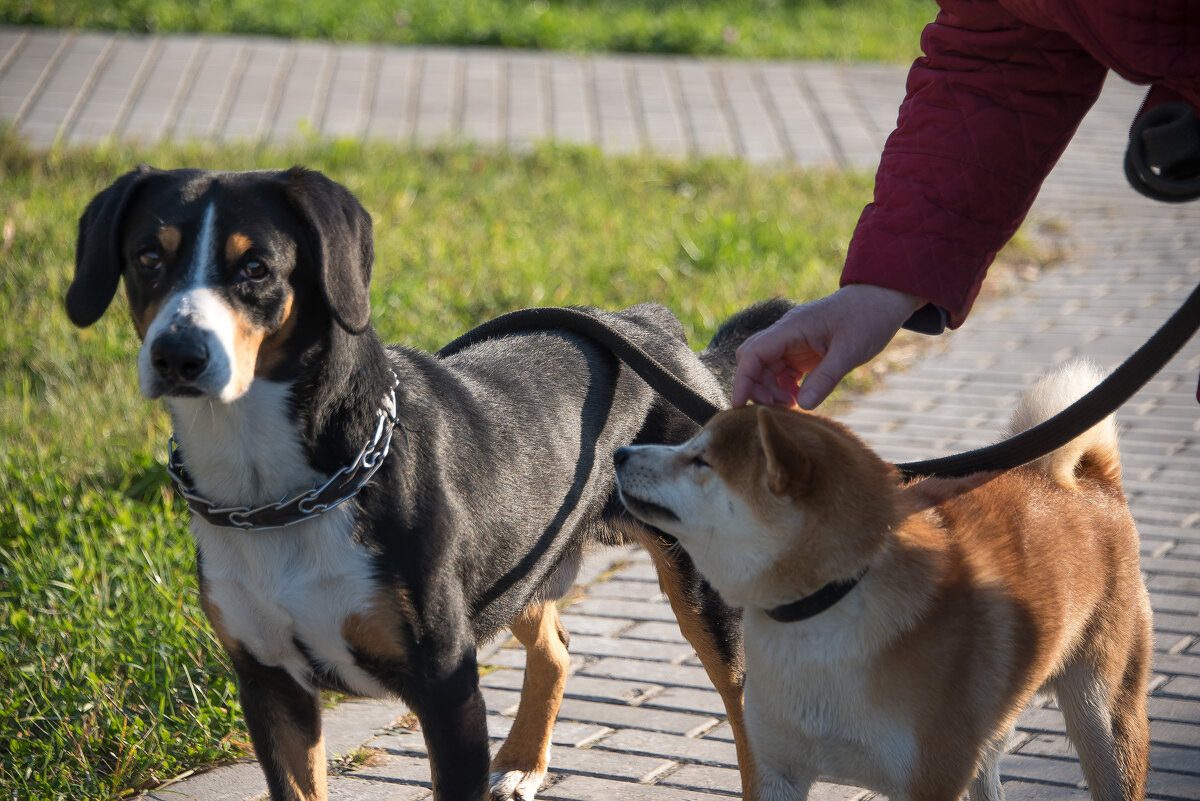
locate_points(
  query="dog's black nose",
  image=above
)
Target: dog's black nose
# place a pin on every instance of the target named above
(621, 456)
(178, 359)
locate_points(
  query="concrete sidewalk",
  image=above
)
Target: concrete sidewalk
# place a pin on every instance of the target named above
(641, 720)
(85, 87)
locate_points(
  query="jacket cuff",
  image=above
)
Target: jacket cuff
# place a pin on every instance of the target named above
(929, 319)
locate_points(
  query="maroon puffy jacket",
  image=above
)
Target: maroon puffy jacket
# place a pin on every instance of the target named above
(990, 108)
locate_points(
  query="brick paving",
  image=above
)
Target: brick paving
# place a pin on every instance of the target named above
(641, 720)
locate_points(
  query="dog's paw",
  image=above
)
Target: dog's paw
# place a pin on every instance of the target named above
(516, 785)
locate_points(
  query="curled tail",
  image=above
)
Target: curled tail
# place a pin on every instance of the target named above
(1093, 453)
(721, 354)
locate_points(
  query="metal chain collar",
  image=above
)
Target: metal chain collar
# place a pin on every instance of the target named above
(341, 486)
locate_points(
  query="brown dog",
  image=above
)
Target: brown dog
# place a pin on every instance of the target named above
(894, 631)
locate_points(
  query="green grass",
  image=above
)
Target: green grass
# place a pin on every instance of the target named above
(886, 30)
(113, 681)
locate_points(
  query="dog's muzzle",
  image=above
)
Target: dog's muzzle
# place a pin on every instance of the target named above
(179, 359)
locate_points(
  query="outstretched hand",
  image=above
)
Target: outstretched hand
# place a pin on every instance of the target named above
(823, 340)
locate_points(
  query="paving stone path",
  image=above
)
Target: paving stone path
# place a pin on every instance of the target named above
(641, 720)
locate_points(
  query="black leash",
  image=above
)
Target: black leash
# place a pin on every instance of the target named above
(1108, 396)
(578, 321)
(1038, 441)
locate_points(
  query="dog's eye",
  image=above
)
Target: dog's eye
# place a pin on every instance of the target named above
(254, 270)
(150, 260)
(698, 461)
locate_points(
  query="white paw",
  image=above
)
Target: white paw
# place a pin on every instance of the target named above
(516, 785)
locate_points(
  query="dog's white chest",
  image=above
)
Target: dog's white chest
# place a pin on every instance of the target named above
(811, 709)
(282, 594)
(285, 594)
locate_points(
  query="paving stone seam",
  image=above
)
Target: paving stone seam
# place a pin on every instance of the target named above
(274, 100)
(11, 56)
(85, 89)
(821, 117)
(183, 88)
(149, 59)
(39, 85)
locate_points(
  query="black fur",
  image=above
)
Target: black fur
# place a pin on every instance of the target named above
(98, 256)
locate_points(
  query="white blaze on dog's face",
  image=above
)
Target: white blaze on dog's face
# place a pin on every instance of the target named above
(210, 298)
(771, 504)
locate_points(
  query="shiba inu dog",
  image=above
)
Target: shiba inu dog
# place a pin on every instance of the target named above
(895, 630)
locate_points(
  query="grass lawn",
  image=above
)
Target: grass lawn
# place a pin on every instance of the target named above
(113, 680)
(880, 30)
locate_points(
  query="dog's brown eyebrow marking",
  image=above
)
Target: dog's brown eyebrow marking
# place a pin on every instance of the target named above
(170, 237)
(236, 245)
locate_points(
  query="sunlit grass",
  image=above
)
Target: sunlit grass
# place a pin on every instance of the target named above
(878, 30)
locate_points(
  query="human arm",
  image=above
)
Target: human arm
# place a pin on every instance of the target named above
(988, 112)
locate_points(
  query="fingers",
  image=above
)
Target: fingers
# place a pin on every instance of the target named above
(763, 374)
(772, 361)
(823, 340)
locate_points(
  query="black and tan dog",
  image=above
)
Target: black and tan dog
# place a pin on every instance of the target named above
(250, 294)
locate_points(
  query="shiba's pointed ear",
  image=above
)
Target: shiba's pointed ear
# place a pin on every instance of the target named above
(98, 249)
(788, 466)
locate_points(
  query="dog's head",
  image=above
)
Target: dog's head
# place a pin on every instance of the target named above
(229, 275)
(771, 503)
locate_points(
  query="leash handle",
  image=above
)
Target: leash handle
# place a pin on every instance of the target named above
(1163, 158)
(1109, 395)
(578, 321)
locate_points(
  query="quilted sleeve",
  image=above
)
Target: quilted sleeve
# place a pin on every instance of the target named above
(989, 110)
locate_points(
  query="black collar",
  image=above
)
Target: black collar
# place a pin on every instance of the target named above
(815, 604)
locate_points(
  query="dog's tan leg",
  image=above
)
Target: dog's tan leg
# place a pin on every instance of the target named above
(285, 726)
(284, 720)
(1131, 724)
(1105, 711)
(521, 763)
(986, 784)
(1103, 698)
(714, 630)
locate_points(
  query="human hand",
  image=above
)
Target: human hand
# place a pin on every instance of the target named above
(824, 339)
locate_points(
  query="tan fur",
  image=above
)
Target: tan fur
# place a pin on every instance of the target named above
(217, 620)
(725, 675)
(236, 245)
(524, 757)
(377, 631)
(301, 759)
(303, 763)
(248, 338)
(142, 321)
(978, 593)
(270, 351)
(170, 237)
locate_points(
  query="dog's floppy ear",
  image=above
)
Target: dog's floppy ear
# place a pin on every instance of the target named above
(342, 244)
(788, 466)
(98, 249)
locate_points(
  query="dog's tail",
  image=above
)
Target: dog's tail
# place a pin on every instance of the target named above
(721, 354)
(1093, 453)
